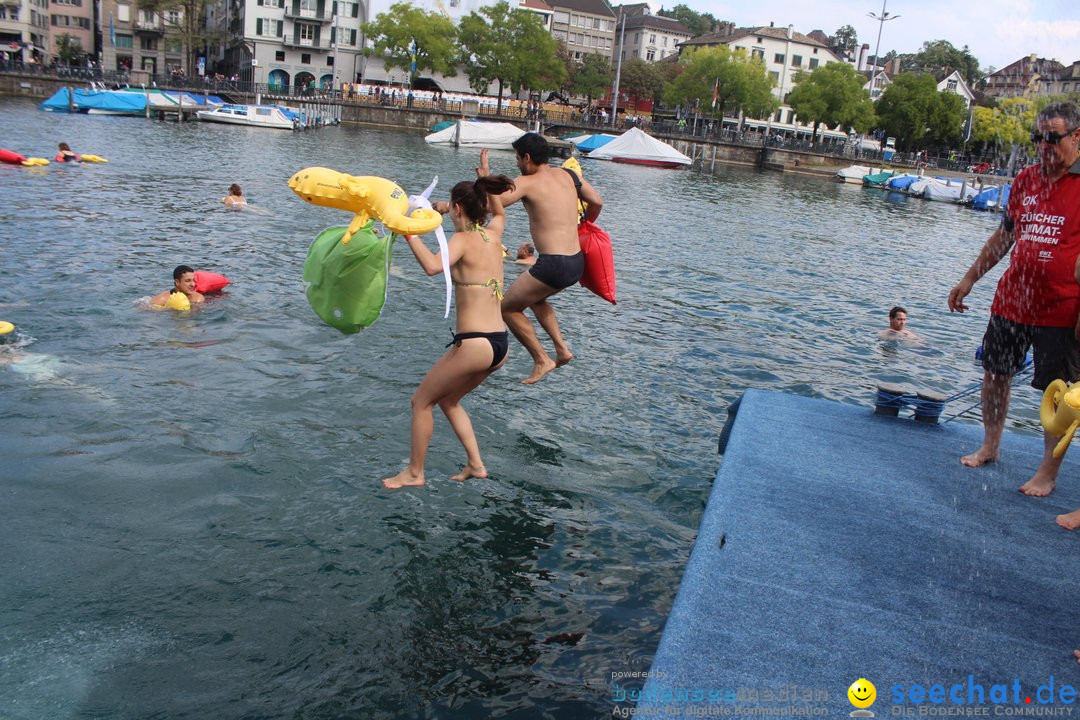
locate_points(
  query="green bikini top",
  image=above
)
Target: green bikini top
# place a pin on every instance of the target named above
(495, 285)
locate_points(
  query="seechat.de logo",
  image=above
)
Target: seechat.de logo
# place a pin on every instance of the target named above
(862, 695)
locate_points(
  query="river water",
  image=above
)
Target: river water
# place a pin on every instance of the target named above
(192, 524)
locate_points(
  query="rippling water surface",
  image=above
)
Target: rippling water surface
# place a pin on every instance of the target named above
(191, 519)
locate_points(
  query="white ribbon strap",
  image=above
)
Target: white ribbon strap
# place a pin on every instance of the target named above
(422, 201)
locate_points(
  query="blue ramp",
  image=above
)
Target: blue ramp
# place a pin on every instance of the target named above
(838, 544)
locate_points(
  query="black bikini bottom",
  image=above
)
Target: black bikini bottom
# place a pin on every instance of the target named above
(500, 343)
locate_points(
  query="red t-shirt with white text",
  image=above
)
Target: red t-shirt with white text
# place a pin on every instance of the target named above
(1039, 286)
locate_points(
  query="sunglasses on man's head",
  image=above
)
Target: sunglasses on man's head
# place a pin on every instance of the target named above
(1051, 138)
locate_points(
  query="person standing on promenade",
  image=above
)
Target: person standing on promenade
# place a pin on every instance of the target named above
(550, 196)
(1037, 302)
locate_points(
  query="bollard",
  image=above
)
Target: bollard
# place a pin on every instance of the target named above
(928, 406)
(890, 398)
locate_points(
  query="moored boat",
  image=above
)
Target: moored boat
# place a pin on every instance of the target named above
(268, 116)
(639, 148)
(853, 174)
(477, 133)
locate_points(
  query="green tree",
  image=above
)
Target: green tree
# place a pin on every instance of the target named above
(509, 47)
(942, 54)
(695, 22)
(406, 31)
(737, 82)
(592, 76)
(912, 109)
(641, 79)
(847, 38)
(833, 94)
(69, 49)
(1006, 126)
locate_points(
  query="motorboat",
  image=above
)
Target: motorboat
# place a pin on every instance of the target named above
(853, 174)
(95, 102)
(477, 133)
(951, 190)
(637, 147)
(992, 198)
(267, 116)
(877, 179)
(592, 142)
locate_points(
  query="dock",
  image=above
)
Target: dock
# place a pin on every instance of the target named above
(839, 545)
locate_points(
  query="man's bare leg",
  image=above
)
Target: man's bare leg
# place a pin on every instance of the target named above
(1070, 521)
(526, 292)
(995, 403)
(545, 315)
(1076, 654)
(1045, 478)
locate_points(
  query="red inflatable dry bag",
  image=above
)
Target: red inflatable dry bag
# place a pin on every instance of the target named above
(599, 275)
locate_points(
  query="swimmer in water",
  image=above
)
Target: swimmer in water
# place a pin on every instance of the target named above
(183, 282)
(235, 198)
(526, 254)
(897, 329)
(65, 154)
(481, 341)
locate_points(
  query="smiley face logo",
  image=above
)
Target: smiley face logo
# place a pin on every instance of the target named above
(862, 693)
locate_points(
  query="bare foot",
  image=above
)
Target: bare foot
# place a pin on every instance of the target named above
(1076, 654)
(980, 457)
(469, 471)
(561, 358)
(405, 478)
(539, 371)
(1038, 486)
(1070, 521)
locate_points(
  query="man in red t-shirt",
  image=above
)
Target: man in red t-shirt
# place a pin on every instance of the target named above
(1037, 303)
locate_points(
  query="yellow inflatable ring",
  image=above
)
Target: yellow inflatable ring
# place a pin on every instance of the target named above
(178, 301)
(5, 327)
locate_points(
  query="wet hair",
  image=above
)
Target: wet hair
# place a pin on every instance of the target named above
(180, 271)
(473, 196)
(525, 249)
(64, 147)
(896, 311)
(533, 145)
(234, 189)
(1067, 111)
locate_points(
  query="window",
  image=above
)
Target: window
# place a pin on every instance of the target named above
(791, 117)
(329, 61)
(147, 43)
(355, 9)
(279, 56)
(123, 13)
(559, 35)
(778, 58)
(758, 53)
(813, 62)
(305, 58)
(951, 86)
(664, 41)
(815, 51)
(174, 45)
(352, 37)
(652, 39)
(123, 41)
(562, 17)
(775, 76)
(650, 55)
(596, 23)
(739, 47)
(307, 35)
(637, 38)
(796, 61)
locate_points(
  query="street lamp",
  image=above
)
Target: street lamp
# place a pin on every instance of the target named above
(882, 19)
(618, 70)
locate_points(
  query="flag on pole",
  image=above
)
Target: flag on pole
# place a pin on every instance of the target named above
(716, 92)
(970, 122)
(112, 31)
(412, 69)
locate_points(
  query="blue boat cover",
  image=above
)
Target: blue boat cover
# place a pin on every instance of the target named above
(106, 100)
(595, 141)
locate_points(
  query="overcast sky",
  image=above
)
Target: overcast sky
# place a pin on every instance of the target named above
(997, 32)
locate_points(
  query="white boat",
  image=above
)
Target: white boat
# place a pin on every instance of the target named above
(637, 147)
(268, 116)
(954, 191)
(477, 133)
(854, 174)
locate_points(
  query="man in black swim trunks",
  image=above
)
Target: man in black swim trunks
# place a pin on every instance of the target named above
(550, 196)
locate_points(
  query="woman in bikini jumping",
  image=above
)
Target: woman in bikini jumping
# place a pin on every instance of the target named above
(480, 344)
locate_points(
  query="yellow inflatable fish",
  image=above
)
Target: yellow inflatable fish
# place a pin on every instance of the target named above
(1060, 413)
(366, 197)
(31, 162)
(92, 158)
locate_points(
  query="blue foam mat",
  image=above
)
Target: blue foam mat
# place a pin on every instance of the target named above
(838, 544)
